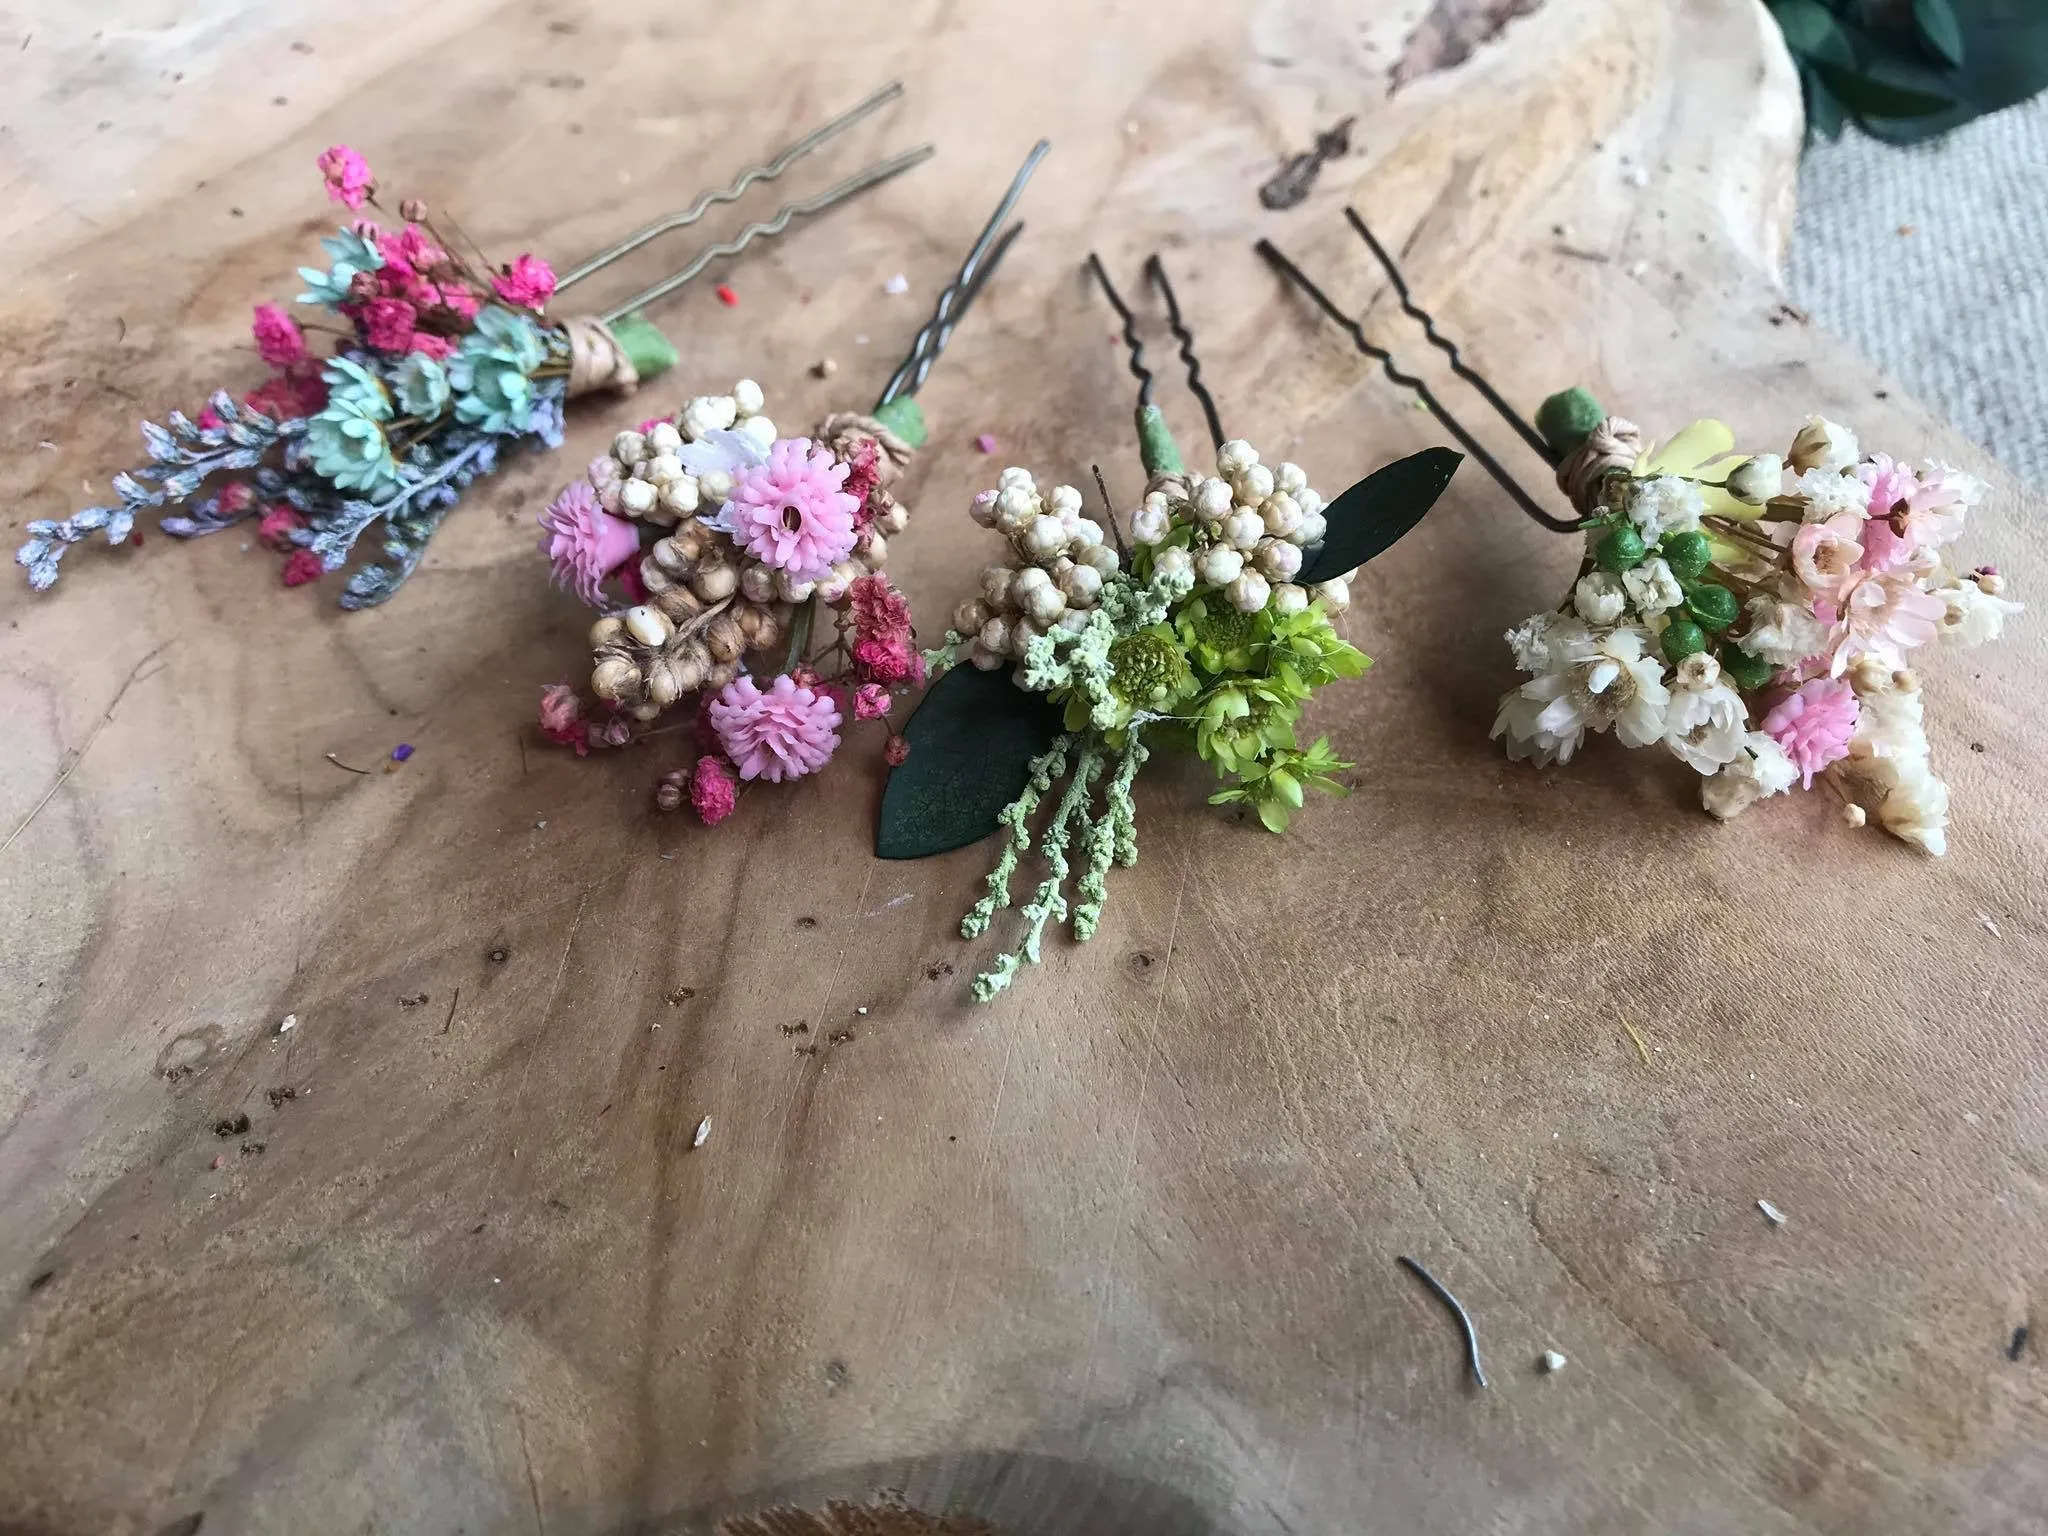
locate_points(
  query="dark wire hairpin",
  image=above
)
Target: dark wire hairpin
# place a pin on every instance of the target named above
(1155, 440)
(1156, 270)
(954, 300)
(731, 192)
(1352, 328)
(1445, 345)
(858, 182)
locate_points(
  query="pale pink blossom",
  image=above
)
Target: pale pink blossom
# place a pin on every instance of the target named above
(784, 733)
(348, 176)
(529, 283)
(790, 512)
(1887, 615)
(278, 337)
(1825, 555)
(585, 542)
(1910, 514)
(1813, 724)
(870, 702)
(561, 717)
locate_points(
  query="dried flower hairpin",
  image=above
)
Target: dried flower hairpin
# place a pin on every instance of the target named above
(727, 540)
(1753, 614)
(439, 363)
(1207, 632)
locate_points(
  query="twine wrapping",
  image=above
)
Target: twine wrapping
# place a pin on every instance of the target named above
(596, 360)
(1613, 445)
(836, 428)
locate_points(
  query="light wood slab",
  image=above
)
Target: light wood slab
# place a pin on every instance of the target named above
(1130, 1233)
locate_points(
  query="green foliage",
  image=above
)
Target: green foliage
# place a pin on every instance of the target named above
(1370, 517)
(1712, 607)
(973, 743)
(1907, 70)
(1746, 672)
(1682, 638)
(1274, 789)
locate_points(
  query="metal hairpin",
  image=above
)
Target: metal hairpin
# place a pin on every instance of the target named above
(954, 300)
(731, 193)
(1445, 345)
(1422, 392)
(1155, 269)
(859, 182)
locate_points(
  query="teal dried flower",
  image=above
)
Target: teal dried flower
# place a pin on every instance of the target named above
(352, 253)
(422, 386)
(346, 440)
(491, 371)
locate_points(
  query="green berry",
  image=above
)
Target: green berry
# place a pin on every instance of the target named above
(1748, 673)
(1683, 638)
(1567, 419)
(1687, 554)
(1712, 606)
(1622, 550)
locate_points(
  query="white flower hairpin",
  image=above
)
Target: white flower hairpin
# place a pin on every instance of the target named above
(1754, 614)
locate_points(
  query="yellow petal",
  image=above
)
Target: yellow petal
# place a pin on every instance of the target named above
(1701, 441)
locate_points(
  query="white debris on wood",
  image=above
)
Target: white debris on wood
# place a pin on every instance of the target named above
(1989, 926)
(1551, 1361)
(703, 1133)
(1772, 1214)
(288, 1023)
(897, 284)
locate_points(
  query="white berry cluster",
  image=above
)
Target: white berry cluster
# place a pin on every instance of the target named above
(708, 601)
(1058, 563)
(1251, 525)
(646, 480)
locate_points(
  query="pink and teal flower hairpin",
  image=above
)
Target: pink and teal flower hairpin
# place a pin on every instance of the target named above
(741, 571)
(1755, 615)
(1200, 623)
(438, 363)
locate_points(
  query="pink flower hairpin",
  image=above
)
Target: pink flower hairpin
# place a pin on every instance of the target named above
(440, 362)
(727, 544)
(1756, 615)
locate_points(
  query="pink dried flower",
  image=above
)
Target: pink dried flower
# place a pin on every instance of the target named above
(410, 252)
(529, 283)
(278, 336)
(461, 300)
(871, 702)
(784, 733)
(879, 611)
(302, 567)
(632, 583)
(388, 324)
(209, 419)
(348, 176)
(1813, 724)
(895, 750)
(561, 718)
(886, 660)
(236, 497)
(643, 429)
(277, 527)
(790, 512)
(713, 790)
(804, 675)
(430, 345)
(585, 542)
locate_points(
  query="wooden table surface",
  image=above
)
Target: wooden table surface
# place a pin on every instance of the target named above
(1127, 1238)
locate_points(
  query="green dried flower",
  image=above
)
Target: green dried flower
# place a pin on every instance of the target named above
(1149, 672)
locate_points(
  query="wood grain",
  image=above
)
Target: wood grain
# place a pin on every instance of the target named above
(1128, 1236)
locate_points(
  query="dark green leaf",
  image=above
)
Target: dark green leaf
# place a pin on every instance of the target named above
(972, 740)
(1368, 518)
(1937, 22)
(1823, 112)
(1811, 32)
(1874, 98)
